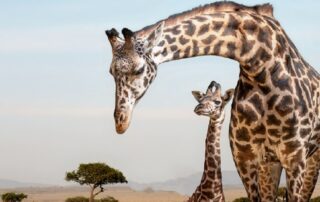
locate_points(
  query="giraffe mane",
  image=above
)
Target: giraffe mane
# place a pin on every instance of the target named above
(264, 9)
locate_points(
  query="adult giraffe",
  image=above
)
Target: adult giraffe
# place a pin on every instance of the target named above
(275, 112)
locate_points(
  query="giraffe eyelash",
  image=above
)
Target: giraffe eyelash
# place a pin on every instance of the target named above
(139, 71)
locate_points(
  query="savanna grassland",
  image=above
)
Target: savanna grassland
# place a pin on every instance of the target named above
(123, 194)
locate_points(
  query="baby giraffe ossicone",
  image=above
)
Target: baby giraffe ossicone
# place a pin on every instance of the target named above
(211, 104)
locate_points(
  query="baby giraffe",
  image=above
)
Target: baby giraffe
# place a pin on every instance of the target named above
(211, 104)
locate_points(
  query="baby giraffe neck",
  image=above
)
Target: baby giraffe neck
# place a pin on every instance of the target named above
(210, 188)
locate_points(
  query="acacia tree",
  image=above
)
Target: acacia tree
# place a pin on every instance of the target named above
(95, 175)
(13, 197)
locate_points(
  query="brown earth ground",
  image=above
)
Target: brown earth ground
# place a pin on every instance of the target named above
(123, 194)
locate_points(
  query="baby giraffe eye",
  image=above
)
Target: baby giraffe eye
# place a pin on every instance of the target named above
(217, 102)
(139, 71)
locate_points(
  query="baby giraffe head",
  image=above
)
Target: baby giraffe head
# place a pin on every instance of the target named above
(212, 103)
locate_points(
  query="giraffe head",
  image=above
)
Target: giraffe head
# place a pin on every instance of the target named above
(133, 70)
(212, 103)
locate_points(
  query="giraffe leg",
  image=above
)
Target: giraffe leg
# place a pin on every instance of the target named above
(311, 175)
(268, 180)
(295, 176)
(248, 174)
(246, 162)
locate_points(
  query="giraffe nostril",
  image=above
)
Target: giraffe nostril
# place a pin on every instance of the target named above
(121, 118)
(118, 115)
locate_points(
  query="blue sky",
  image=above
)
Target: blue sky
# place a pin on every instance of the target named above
(57, 97)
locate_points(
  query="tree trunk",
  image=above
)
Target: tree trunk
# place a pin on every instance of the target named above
(91, 199)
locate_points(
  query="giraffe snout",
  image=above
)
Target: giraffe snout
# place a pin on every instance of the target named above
(122, 120)
(199, 109)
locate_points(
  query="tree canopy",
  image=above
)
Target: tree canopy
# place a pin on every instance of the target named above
(95, 174)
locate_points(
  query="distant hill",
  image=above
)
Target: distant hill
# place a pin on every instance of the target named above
(8, 184)
(187, 185)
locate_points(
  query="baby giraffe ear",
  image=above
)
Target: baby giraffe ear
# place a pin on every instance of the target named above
(197, 95)
(154, 37)
(228, 95)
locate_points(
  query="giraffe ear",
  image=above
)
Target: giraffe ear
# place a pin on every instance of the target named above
(197, 95)
(154, 37)
(227, 96)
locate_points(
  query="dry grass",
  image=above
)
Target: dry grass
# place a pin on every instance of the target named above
(123, 194)
(59, 194)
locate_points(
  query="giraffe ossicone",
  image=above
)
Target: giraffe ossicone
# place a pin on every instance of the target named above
(211, 104)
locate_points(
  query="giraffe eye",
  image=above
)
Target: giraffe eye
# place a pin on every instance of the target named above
(217, 102)
(139, 71)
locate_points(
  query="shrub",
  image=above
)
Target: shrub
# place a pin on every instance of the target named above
(84, 199)
(13, 197)
(107, 199)
(316, 199)
(77, 199)
(242, 199)
(282, 194)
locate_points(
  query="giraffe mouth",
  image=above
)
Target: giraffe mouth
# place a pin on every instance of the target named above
(122, 127)
(199, 110)
(122, 121)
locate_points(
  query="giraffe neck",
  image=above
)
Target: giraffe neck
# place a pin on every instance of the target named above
(256, 41)
(210, 188)
(235, 35)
